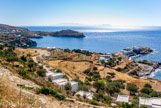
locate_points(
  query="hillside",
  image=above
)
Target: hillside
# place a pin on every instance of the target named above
(16, 40)
(7, 29)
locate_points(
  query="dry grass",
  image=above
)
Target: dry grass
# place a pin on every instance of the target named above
(11, 96)
(139, 82)
(73, 69)
(20, 52)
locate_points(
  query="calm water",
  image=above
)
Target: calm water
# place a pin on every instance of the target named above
(105, 40)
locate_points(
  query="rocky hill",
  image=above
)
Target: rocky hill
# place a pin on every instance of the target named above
(68, 33)
(62, 33)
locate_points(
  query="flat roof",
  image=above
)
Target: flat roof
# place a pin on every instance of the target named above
(88, 94)
(60, 80)
(73, 82)
(156, 102)
(56, 74)
(63, 83)
(49, 73)
(122, 98)
(145, 101)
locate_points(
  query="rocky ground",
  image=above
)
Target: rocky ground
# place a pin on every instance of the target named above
(12, 93)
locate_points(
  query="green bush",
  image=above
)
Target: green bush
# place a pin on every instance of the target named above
(148, 86)
(23, 73)
(146, 90)
(99, 85)
(132, 88)
(119, 69)
(41, 72)
(94, 68)
(58, 70)
(93, 102)
(51, 92)
(87, 71)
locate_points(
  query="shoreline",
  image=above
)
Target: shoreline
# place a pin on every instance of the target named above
(154, 72)
(139, 55)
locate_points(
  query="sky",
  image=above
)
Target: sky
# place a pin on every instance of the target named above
(80, 12)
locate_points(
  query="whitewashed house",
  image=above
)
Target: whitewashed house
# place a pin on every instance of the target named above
(84, 50)
(56, 76)
(127, 52)
(88, 95)
(150, 102)
(60, 80)
(156, 102)
(134, 48)
(105, 58)
(122, 99)
(51, 48)
(74, 85)
(48, 75)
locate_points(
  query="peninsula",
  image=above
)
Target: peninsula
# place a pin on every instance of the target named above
(18, 31)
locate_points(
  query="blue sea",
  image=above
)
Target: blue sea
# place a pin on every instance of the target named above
(106, 40)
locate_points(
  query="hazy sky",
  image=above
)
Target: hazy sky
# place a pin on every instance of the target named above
(91, 12)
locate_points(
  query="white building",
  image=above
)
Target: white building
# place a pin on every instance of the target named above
(122, 98)
(134, 48)
(74, 85)
(51, 48)
(60, 80)
(48, 74)
(105, 58)
(56, 76)
(84, 50)
(127, 52)
(150, 102)
(88, 95)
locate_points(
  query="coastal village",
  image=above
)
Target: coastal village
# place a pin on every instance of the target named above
(53, 77)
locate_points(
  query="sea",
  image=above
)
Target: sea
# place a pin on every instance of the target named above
(105, 40)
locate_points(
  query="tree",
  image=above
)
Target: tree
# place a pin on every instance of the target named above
(23, 58)
(41, 72)
(148, 86)
(87, 71)
(78, 95)
(94, 68)
(68, 88)
(132, 88)
(146, 90)
(112, 88)
(119, 69)
(154, 94)
(119, 58)
(58, 70)
(99, 85)
(31, 64)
